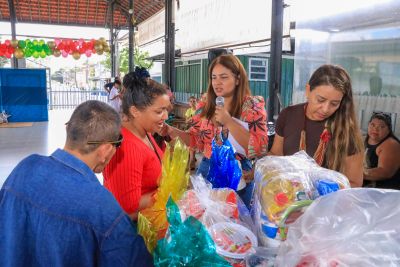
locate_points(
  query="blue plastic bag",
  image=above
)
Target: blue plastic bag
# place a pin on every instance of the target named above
(224, 168)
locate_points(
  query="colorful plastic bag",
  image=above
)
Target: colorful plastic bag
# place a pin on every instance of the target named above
(187, 243)
(224, 168)
(152, 222)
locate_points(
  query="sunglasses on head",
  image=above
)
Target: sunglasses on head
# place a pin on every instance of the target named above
(114, 143)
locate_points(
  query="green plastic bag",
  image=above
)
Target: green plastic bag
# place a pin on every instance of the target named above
(187, 243)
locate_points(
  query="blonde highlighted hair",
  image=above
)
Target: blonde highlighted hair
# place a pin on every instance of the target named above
(343, 126)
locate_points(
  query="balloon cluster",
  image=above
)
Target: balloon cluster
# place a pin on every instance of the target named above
(58, 47)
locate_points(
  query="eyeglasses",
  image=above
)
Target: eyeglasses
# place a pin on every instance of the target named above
(114, 143)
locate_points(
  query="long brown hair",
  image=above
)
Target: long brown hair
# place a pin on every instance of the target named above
(242, 90)
(343, 126)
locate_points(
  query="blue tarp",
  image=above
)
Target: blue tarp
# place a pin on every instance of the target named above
(23, 94)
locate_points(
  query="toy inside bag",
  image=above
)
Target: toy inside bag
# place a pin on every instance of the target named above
(224, 215)
(352, 227)
(283, 182)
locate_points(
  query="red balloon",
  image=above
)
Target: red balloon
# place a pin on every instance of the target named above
(7, 42)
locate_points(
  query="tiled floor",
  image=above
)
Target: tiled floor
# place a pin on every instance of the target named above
(41, 138)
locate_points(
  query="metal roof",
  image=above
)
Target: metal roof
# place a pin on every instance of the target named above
(89, 13)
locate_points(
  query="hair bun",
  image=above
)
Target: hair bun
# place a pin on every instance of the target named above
(132, 80)
(142, 72)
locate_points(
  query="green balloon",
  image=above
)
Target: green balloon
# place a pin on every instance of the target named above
(35, 42)
(41, 42)
(22, 44)
(28, 53)
(35, 54)
(43, 54)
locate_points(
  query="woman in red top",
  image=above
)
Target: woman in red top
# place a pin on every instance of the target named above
(133, 173)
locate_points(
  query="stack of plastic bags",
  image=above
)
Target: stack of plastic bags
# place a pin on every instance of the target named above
(225, 217)
(354, 227)
(285, 184)
(152, 222)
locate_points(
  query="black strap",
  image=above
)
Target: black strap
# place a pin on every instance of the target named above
(154, 148)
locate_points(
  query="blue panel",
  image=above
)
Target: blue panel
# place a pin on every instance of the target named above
(23, 94)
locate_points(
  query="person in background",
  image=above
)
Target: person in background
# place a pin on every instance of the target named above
(133, 174)
(325, 126)
(116, 96)
(55, 212)
(243, 116)
(109, 84)
(191, 110)
(382, 162)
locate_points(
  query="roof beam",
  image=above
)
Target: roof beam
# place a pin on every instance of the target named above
(48, 10)
(69, 8)
(87, 11)
(145, 9)
(58, 11)
(38, 2)
(95, 17)
(30, 9)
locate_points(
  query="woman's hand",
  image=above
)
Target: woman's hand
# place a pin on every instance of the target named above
(166, 130)
(222, 116)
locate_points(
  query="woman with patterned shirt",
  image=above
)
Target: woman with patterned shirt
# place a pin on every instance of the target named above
(242, 116)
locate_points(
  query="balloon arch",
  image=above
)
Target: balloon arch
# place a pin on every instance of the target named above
(59, 47)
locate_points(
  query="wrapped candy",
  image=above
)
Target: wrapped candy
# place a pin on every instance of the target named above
(152, 221)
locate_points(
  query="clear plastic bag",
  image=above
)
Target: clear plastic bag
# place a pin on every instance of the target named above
(225, 216)
(288, 182)
(352, 227)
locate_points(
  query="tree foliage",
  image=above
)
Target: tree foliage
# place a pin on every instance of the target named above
(140, 59)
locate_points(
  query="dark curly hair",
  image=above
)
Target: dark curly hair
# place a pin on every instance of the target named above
(138, 93)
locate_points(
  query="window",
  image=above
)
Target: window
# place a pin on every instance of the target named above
(258, 69)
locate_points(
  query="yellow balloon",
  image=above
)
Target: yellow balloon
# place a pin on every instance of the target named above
(98, 47)
(76, 55)
(57, 53)
(107, 49)
(102, 40)
(14, 43)
(18, 53)
(51, 44)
